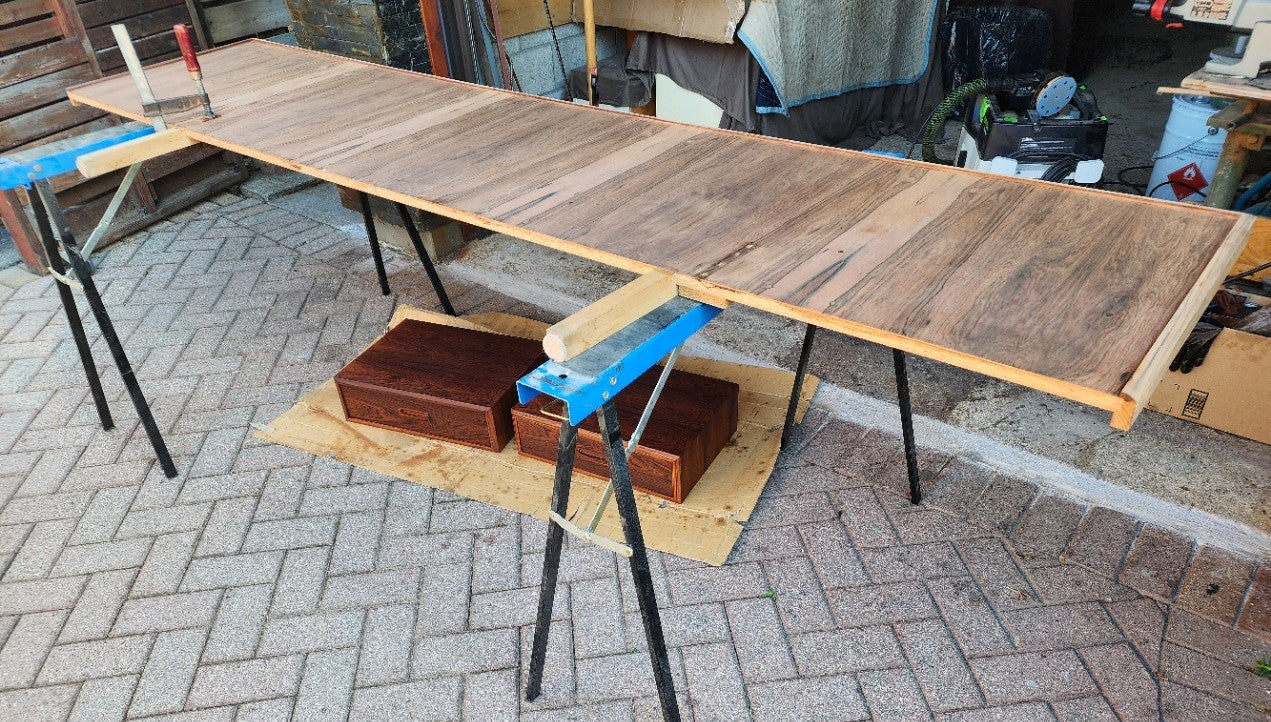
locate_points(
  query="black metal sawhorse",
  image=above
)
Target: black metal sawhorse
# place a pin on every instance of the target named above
(412, 230)
(48, 215)
(588, 384)
(902, 397)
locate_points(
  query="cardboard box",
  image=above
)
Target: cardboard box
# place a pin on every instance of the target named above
(1230, 392)
(710, 20)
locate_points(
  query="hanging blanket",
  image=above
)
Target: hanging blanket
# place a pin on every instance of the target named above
(811, 49)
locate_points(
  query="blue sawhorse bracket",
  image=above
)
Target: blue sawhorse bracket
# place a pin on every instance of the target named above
(595, 376)
(16, 174)
(588, 384)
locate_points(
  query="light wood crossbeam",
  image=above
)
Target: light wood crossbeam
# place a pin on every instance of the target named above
(125, 154)
(598, 321)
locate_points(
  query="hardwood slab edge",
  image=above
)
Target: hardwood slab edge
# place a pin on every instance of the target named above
(1039, 382)
(1138, 389)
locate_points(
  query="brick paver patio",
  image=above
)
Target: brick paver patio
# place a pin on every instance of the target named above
(264, 582)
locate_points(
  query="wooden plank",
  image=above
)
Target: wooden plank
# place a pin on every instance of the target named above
(1228, 86)
(156, 48)
(600, 320)
(29, 34)
(27, 64)
(246, 17)
(99, 123)
(1063, 289)
(431, 17)
(25, 239)
(156, 169)
(97, 13)
(134, 151)
(140, 27)
(42, 122)
(17, 11)
(73, 28)
(29, 94)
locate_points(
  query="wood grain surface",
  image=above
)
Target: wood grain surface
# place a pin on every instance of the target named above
(1058, 288)
(691, 423)
(455, 384)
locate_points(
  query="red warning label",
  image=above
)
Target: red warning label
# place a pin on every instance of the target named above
(1187, 180)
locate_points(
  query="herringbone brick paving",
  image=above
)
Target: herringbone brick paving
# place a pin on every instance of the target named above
(265, 583)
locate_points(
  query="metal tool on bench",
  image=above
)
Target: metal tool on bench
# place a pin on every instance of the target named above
(142, 146)
(156, 108)
(1251, 52)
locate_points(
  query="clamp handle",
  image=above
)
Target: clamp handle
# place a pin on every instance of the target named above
(187, 48)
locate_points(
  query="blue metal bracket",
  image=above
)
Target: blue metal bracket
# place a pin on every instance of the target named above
(587, 381)
(16, 175)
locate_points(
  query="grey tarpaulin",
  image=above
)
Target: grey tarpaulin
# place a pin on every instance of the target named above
(729, 76)
(615, 85)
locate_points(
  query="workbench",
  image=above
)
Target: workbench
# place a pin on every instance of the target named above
(1080, 293)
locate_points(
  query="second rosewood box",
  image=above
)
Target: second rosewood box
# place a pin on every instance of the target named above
(691, 423)
(442, 382)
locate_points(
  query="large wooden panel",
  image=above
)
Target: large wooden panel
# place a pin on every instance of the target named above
(1077, 292)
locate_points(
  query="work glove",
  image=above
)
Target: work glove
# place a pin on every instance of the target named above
(1195, 348)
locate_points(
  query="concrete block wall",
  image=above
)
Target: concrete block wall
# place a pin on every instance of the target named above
(533, 56)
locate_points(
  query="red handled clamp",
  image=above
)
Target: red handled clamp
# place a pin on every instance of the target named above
(192, 65)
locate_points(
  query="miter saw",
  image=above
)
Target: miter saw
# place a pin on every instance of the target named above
(1250, 55)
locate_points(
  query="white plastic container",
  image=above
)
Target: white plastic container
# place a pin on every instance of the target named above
(1188, 156)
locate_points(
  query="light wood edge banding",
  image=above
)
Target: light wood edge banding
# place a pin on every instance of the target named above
(1138, 389)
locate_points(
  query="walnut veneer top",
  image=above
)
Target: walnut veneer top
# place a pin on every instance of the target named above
(1072, 291)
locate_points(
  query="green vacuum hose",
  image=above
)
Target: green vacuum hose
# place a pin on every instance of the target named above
(935, 124)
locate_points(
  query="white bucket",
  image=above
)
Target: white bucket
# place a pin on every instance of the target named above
(1188, 156)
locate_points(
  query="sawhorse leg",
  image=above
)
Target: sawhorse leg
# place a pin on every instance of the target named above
(369, 220)
(45, 231)
(799, 374)
(48, 213)
(413, 231)
(902, 397)
(907, 425)
(377, 253)
(641, 575)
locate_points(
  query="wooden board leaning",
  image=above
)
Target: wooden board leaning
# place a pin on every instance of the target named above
(1075, 292)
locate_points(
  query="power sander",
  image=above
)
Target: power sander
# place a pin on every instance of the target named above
(1042, 125)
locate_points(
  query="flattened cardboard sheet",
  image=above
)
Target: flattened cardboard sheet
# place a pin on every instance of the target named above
(714, 21)
(705, 527)
(1228, 392)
